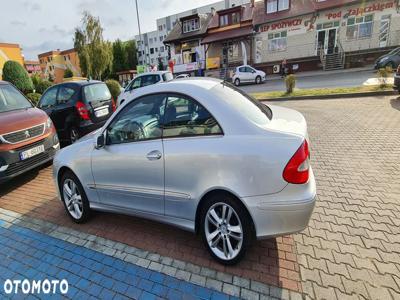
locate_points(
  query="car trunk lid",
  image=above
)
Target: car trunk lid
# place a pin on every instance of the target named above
(99, 102)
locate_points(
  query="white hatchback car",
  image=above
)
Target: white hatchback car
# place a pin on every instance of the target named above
(143, 80)
(247, 74)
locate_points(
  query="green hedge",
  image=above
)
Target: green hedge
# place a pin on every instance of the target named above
(42, 86)
(34, 97)
(16, 74)
(114, 87)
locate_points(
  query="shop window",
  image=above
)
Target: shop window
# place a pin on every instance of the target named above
(191, 25)
(277, 41)
(360, 27)
(328, 25)
(277, 5)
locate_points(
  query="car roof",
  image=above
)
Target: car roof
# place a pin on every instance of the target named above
(153, 73)
(4, 82)
(79, 83)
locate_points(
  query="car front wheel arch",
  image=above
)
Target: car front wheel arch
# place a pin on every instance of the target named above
(208, 195)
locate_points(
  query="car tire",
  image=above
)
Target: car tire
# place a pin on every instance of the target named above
(225, 245)
(73, 134)
(237, 82)
(74, 198)
(258, 79)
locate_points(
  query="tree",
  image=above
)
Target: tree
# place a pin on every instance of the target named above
(120, 56)
(131, 51)
(16, 74)
(95, 54)
(42, 86)
(68, 73)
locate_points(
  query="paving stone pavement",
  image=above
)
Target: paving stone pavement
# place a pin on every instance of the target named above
(351, 248)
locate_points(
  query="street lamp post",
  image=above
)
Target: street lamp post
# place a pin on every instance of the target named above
(140, 33)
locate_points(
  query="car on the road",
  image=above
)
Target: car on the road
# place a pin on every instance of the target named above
(199, 154)
(28, 138)
(392, 59)
(247, 74)
(397, 79)
(77, 108)
(143, 80)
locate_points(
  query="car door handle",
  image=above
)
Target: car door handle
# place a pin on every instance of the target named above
(154, 155)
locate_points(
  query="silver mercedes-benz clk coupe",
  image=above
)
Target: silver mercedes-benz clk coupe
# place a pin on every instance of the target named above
(198, 154)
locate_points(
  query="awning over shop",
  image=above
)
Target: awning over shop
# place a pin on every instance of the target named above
(227, 35)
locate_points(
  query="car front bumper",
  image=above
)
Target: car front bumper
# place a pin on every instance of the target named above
(286, 212)
(11, 165)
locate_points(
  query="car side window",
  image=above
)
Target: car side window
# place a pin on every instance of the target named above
(64, 94)
(186, 117)
(49, 99)
(242, 69)
(249, 70)
(136, 83)
(138, 121)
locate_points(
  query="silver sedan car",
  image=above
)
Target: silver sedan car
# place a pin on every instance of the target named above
(198, 154)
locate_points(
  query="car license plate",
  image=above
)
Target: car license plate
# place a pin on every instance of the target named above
(31, 152)
(101, 113)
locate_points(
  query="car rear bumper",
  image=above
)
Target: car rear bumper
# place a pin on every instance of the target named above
(11, 165)
(89, 126)
(286, 212)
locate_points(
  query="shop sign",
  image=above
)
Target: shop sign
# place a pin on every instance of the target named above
(370, 8)
(185, 67)
(213, 62)
(281, 25)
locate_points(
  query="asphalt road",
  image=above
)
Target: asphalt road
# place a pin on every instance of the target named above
(324, 80)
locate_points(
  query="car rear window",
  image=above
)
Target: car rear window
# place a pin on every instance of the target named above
(12, 99)
(96, 92)
(167, 76)
(252, 109)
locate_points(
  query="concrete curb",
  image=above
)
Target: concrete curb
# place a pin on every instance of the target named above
(334, 96)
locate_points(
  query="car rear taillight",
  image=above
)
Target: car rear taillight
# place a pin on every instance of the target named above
(297, 170)
(398, 70)
(82, 110)
(113, 106)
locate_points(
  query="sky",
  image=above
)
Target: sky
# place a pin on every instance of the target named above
(43, 25)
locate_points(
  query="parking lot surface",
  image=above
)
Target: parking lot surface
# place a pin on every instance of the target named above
(351, 248)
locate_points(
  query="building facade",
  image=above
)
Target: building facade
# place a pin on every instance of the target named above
(54, 63)
(329, 34)
(151, 45)
(32, 67)
(10, 52)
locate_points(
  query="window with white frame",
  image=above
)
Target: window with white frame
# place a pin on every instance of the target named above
(277, 5)
(359, 27)
(191, 25)
(277, 41)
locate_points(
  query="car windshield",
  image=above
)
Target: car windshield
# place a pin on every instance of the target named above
(252, 109)
(97, 92)
(12, 99)
(167, 76)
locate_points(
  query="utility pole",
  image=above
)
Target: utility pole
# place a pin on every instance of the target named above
(140, 34)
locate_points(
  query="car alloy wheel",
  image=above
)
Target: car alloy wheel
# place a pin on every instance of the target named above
(223, 231)
(237, 81)
(258, 80)
(74, 198)
(73, 135)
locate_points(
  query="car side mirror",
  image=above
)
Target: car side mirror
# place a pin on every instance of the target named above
(100, 141)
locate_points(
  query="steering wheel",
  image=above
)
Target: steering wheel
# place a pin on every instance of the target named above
(133, 131)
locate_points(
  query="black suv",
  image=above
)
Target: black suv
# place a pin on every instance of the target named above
(77, 108)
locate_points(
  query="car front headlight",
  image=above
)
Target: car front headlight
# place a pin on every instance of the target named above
(49, 123)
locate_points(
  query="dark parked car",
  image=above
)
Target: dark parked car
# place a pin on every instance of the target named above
(77, 108)
(392, 59)
(27, 136)
(397, 79)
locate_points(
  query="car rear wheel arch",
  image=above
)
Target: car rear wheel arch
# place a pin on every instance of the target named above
(221, 192)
